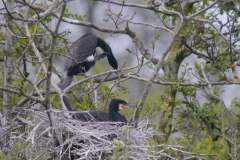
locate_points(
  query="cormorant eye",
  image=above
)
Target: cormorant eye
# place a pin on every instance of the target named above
(121, 106)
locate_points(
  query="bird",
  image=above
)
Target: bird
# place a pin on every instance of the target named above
(81, 57)
(101, 116)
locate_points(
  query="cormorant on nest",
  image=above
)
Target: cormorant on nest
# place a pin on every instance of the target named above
(100, 116)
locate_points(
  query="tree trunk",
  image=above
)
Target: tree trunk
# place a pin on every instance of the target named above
(7, 97)
(171, 67)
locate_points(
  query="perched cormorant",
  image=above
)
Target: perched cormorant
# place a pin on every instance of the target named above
(99, 115)
(82, 54)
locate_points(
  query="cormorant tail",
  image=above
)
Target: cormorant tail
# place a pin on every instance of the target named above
(67, 104)
(67, 81)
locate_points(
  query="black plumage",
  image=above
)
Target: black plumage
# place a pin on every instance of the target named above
(100, 116)
(82, 54)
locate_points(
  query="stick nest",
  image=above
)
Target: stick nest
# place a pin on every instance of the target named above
(33, 138)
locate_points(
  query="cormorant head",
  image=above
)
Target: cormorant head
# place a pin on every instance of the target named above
(118, 104)
(112, 61)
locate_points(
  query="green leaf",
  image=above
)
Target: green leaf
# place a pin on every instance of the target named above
(13, 151)
(84, 97)
(237, 105)
(137, 102)
(164, 16)
(221, 12)
(199, 56)
(103, 38)
(3, 156)
(153, 43)
(41, 74)
(67, 10)
(2, 36)
(211, 120)
(189, 69)
(18, 145)
(17, 45)
(169, 8)
(14, 99)
(9, 157)
(158, 35)
(106, 88)
(174, 20)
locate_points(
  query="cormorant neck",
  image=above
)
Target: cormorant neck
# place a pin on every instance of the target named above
(117, 117)
(101, 43)
(112, 108)
(67, 104)
(111, 59)
(113, 111)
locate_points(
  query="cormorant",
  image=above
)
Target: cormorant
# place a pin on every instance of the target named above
(99, 115)
(82, 54)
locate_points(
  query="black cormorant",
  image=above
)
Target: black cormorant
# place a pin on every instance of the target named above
(83, 57)
(98, 115)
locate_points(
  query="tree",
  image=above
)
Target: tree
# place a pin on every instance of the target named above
(208, 30)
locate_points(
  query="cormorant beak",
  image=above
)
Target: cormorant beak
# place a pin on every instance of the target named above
(102, 55)
(105, 53)
(124, 106)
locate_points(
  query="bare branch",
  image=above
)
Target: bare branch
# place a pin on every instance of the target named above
(194, 51)
(153, 8)
(93, 76)
(148, 24)
(25, 100)
(223, 37)
(179, 3)
(21, 93)
(203, 10)
(140, 46)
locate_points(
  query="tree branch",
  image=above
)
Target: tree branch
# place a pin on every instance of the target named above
(21, 93)
(138, 111)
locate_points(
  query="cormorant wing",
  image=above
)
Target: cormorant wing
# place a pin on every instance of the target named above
(100, 115)
(80, 50)
(91, 116)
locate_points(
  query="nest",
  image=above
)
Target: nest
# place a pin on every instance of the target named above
(82, 140)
